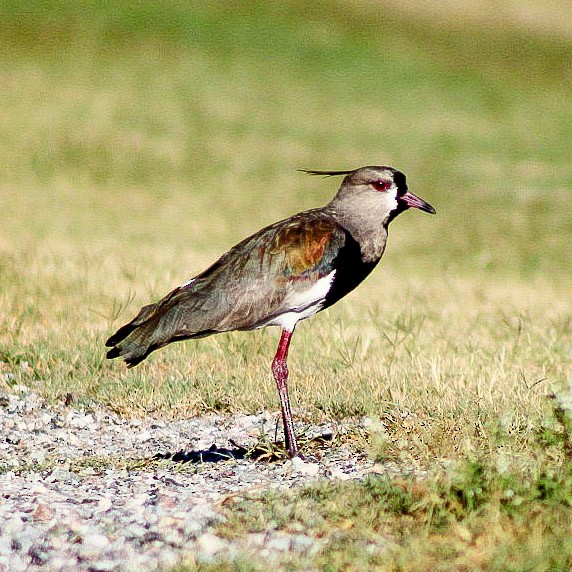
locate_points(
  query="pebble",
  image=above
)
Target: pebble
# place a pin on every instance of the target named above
(80, 420)
(93, 541)
(208, 545)
(69, 502)
(280, 543)
(303, 544)
(305, 468)
(337, 474)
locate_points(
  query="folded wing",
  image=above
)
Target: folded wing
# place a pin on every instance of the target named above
(263, 277)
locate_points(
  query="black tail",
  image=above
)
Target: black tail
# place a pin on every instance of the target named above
(155, 326)
(137, 339)
(130, 358)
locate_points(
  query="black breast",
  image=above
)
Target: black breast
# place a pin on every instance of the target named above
(350, 269)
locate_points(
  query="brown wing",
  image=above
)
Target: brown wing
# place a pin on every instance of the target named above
(243, 290)
(254, 280)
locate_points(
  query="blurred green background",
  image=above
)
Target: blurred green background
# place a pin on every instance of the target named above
(143, 121)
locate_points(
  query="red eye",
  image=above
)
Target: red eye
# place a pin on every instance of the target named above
(380, 185)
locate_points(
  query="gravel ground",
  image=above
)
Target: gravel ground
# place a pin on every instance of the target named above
(75, 498)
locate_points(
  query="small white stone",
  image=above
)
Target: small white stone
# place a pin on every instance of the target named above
(167, 560)
(38, 456)
(339, 475)
(73, 439)
(5, 546)
(104, 504)
(103, 565)
(144, 436)
(278, 543)
(209, 544)
(18, 563)
(20, 387)
(303, 544)
(81, 421)
(13, 525)
(39, 489)
(304, 468)
(95, 540)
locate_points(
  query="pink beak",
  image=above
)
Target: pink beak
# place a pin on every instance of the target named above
(415, 202)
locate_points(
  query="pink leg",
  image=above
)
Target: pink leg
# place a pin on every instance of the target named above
(280, 371)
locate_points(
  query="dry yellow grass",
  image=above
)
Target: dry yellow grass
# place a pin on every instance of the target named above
(536, 17)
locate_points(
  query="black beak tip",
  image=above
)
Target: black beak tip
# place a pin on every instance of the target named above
(430, 209)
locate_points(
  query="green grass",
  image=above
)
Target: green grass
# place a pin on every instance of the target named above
(470, 518)
(140, 141)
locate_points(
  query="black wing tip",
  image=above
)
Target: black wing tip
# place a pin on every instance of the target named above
(325, 173)
(120, 335)
(130, 361)
(113, 353)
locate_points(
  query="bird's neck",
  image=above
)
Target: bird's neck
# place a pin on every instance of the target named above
(368, 227)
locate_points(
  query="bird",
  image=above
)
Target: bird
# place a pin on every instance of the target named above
(282, 274)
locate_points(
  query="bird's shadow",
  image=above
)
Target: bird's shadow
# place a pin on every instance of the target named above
(212, 455)
(264, 451)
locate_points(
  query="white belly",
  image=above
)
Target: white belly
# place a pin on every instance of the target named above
(303, 304)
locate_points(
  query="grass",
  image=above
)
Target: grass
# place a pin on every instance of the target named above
(140, 142)
(470, 518)
(488, 508)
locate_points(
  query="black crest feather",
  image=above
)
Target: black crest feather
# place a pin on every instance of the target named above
(325, 173)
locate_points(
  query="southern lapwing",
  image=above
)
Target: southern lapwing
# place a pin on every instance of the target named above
(284, 273)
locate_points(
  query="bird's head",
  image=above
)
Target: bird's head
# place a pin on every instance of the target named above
(382, 189)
